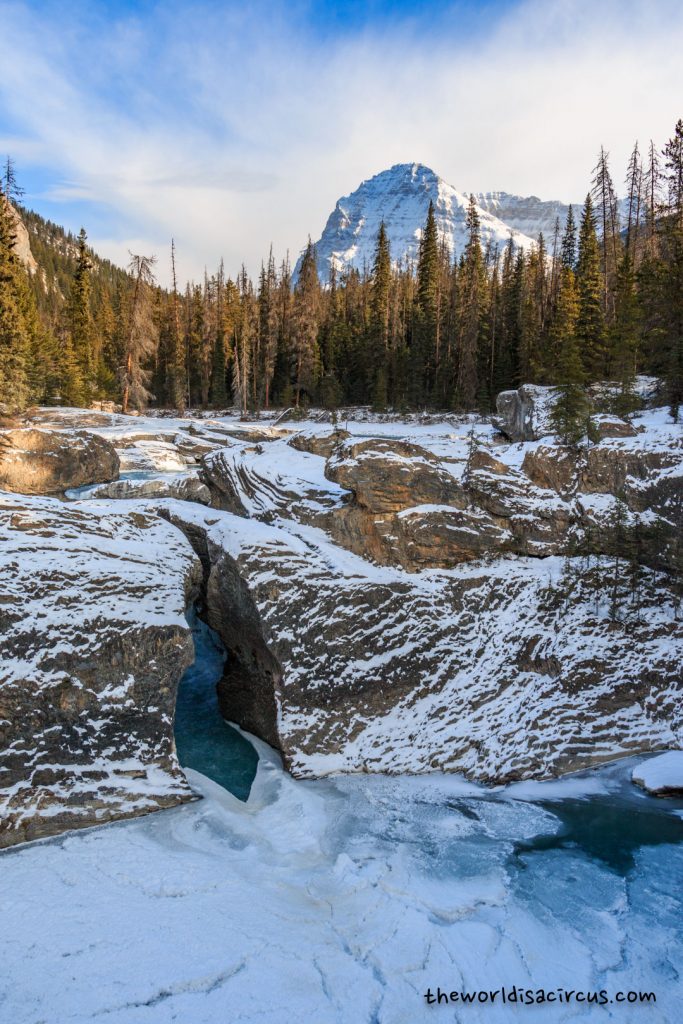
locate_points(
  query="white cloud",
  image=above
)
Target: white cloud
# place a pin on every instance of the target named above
(233, 127)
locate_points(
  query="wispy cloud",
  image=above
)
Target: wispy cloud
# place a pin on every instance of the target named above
(231, 126)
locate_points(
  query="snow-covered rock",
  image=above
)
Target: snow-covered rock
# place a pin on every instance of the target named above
(185, 486)
(389, 475)
(94, 643)
(661, 775)
(501, 669)
(34, 461)
(400, 197)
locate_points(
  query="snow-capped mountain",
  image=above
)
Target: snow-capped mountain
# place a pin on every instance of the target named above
(400, 196)
(526, 214)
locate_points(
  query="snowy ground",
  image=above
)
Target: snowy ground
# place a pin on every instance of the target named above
(344, 900)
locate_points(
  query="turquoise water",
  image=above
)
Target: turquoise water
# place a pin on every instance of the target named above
(611, 829)
(204, 740)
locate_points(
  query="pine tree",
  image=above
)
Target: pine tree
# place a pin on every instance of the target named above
(672, 277)
(244, 334)
(590, 325)
(81, 329)
(606, 205)
(176, 382)
(15, 308)
(634, 200)
(268, 326)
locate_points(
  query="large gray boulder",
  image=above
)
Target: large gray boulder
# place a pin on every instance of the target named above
(524, 414)
(36, 461)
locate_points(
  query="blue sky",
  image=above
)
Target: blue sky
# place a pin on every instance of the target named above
(233, 125)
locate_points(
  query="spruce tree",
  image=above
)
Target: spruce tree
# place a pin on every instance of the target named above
(472, 290)
(590, 325)
(570, 411)
(624, 336)
(380, 285)
(568, 250)
(425, 325)
(81, 330)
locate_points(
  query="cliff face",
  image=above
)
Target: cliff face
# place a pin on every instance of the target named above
(22, 244)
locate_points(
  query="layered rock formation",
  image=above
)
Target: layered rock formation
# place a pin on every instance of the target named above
(399, 504)
(94, 643)
(508, 650)
(500, 669)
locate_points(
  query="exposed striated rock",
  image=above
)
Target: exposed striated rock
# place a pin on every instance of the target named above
(493, 507)
(632, 472)
(524, 415)
(387, 475)
(94, 644)
(501, 670)
(319, 444)
(46, 462)
(184, 486)
(270, 480)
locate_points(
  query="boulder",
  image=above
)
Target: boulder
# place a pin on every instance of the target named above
(94, 643)
(319, 444)
(612, 426)
(388, 476)
(184, 486)
(524, 415)
(48, 462)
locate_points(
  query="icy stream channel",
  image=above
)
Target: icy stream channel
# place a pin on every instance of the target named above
(204, 741)
(344, 901)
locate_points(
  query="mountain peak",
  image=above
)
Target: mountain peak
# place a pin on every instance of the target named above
(400, 196)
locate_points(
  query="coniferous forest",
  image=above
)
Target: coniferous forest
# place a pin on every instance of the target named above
(600, 300)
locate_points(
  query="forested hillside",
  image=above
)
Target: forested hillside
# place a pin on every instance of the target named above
(600, 299)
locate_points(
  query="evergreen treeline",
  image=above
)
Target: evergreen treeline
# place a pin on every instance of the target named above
(600, 300)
